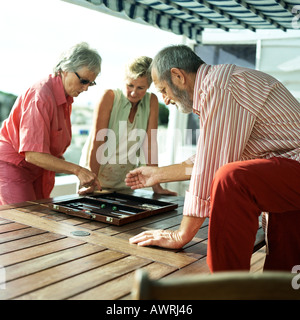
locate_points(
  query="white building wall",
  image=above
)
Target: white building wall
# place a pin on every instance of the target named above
(281, 59)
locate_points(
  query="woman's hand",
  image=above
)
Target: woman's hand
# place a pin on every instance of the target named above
(87, 178)
(89, 182)
(86, 190)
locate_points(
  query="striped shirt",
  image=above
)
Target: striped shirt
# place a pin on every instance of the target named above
(244, 114)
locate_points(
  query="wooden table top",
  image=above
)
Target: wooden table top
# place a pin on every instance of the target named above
(40, 257)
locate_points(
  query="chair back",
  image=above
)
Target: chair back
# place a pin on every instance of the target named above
(217, 286)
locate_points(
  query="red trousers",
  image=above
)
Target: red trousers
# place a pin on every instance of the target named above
(19, 183)
(239, 193)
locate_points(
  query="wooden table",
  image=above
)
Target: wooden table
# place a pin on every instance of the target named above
(42, 259)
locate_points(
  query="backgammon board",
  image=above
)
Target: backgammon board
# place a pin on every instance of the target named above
(113, 208)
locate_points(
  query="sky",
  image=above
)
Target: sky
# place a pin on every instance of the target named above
(35, 32)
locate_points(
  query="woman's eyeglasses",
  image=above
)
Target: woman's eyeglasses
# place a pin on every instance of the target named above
(84, 81)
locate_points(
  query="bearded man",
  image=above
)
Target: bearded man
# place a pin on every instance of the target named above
(247, 161)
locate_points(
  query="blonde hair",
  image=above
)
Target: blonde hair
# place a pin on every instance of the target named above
(139, 67)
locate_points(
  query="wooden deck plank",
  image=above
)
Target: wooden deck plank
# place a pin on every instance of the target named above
(28, 242)
(121, 287)
(197, 251)
(43, 259)
(198, 267)
(19, 234)
(4, 221)
(8, 227)
(98, 238)
(38, 250)
(50, 260)
(58, 273)
(88, 279)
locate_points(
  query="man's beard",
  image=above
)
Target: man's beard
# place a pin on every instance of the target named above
(183, 101)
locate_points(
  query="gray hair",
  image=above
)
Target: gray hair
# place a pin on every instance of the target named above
(177, 56)
(77, 57)
(139, 67)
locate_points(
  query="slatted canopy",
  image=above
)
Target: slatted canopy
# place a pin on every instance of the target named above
(190, 17)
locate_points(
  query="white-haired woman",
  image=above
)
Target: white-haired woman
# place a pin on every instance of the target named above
(38, 130)
(124, 129)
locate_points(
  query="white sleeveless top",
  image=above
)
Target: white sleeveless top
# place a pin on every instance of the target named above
(123, 150)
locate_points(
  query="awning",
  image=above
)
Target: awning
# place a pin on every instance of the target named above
(189, 18)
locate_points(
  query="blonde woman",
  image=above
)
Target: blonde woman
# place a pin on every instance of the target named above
(124, 130)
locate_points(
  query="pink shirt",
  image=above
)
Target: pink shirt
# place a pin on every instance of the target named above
(244, 114)
(39, 122)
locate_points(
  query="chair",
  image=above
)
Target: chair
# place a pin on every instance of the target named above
(217, 286)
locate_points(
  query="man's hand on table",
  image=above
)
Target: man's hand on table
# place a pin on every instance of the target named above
(161, 238)
(168, 238)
